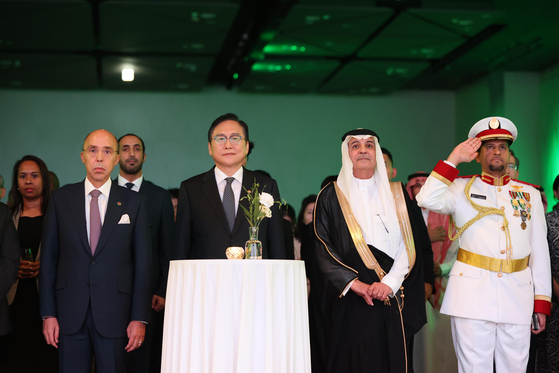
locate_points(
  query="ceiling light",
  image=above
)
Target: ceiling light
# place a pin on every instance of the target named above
(127, 75)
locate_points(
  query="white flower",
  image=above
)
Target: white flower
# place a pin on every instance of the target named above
(267, 200)
(266, 210)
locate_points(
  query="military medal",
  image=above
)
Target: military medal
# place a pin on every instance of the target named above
(520, 202)
(523, 215)
(528, 204)
(514, 203)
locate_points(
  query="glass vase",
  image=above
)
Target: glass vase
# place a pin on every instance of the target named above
(253, 247)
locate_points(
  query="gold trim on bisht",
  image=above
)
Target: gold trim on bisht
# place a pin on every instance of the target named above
(326, 246)
(357, 235)
(404, 220)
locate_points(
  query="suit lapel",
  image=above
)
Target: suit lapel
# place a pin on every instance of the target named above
(248, 180)
(77, 206)
(147, 189)
(112, 215)
(211, 193)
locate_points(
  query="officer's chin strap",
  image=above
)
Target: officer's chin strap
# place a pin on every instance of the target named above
(482, 212)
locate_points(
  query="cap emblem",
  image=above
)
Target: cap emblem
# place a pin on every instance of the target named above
(494, 124)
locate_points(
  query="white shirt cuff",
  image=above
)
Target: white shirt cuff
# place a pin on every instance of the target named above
(348, 287)
(450, 164)
(392, 284)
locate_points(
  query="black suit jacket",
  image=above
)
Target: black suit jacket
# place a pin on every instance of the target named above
(203, 231)
(116, 280)
(161, 216)
(9, 264)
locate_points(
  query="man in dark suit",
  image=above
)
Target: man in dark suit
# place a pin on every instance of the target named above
(95, 266)
(131, 149)
(204, 228)
(9, 265)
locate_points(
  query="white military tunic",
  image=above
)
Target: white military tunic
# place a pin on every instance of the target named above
(482, 294)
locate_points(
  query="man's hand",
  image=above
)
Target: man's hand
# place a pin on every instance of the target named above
(428, 291)
(34, 267)
(362, 289)
(51, 331)
(465, 152)
(136, 332)
(157, 303)
(380, 291)
(28, 269)
(436, 234)
(541, 318)
(437, 269)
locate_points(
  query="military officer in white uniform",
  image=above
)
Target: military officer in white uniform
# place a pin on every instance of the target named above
(502, 275)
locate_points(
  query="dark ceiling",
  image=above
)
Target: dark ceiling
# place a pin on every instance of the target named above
(359, 47)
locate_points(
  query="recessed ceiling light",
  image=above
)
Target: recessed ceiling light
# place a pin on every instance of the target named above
(127, 75)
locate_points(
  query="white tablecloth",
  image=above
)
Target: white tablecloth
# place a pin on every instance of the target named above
(236, 316)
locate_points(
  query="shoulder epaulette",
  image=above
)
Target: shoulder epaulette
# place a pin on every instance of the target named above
(525, 183)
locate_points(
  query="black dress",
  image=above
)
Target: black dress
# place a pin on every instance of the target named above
(29, 351)
(548, 341)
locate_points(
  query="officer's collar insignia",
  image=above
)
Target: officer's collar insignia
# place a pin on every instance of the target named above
(494, 124)
(488, 179)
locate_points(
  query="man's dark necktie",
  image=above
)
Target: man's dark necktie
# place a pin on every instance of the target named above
(94, 220)
(129, 185)
(229, 203)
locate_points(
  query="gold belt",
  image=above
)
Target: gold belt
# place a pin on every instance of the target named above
(492, 264)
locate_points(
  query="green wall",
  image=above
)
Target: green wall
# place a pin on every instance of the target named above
(549, 124)
(297, 136)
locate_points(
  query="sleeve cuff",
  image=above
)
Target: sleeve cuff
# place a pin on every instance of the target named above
(444, 172)
(542, 306)
(347, 288)
(392, 284)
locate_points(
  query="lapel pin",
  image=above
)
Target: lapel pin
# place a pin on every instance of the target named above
(118, 203)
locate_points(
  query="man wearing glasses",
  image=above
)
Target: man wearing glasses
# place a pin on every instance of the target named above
(209, 216)
(512, 167)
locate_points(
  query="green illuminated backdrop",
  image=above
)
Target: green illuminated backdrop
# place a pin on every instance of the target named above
(297, 136)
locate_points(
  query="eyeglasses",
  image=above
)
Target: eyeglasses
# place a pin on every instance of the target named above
(106, 152)
(234, 140)
(513, 166)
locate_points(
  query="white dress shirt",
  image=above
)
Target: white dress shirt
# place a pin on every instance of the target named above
(378, 235)
(103, 199)
(236, 185)
(137, 183)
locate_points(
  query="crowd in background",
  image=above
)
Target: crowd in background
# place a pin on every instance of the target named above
(24, 349)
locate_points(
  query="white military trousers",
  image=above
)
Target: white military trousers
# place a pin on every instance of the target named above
(478, 343)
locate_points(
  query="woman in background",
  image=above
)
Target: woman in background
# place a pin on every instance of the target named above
(303, 220)
(30, 196)
(547, 360)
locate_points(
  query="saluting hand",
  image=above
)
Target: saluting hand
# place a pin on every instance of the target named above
(465, 152)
